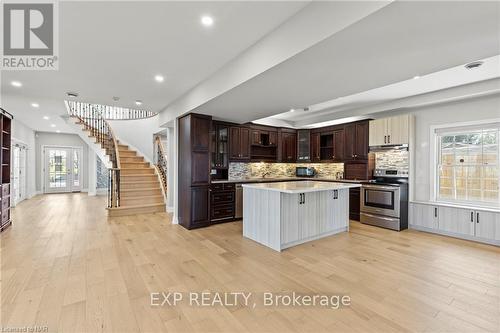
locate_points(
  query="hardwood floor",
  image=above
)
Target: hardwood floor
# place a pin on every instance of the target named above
(67, 266)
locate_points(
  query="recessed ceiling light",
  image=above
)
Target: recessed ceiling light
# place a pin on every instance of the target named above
(35, 105)
(416, 77)
(207, 21)
(16, 84)
(52, 125)
(292, 110)
(159, 78)
(138, 102)
(46, 117)
(58, 131)
(116, 98)
(474, 65)
(72, 94)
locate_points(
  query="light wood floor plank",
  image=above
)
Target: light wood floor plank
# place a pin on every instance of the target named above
(66, 265)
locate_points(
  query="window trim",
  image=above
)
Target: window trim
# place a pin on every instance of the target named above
(433, 150)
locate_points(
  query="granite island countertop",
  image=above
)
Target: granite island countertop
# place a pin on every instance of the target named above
(301, 186)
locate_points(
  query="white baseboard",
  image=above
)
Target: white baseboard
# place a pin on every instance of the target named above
(175, 220)
(455, 235)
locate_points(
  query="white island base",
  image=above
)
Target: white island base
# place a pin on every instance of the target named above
(281, 215)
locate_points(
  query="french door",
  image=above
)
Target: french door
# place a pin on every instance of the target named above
(18, 173)
(62, 169)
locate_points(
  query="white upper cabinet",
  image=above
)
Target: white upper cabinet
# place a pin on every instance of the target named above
(390, 131)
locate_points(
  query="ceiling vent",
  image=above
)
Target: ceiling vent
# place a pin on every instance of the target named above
(474, 65)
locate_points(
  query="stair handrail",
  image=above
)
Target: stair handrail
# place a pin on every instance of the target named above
(161, 162)
(91, 117)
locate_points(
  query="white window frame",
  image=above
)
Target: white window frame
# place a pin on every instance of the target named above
(433, 150)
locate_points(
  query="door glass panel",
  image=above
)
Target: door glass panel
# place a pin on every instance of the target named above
(76, 168)
(57, 168)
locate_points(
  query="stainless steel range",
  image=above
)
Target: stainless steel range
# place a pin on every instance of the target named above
(384, 200)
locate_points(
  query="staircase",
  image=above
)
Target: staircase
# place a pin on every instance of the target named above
(134, 185)
(140, 188)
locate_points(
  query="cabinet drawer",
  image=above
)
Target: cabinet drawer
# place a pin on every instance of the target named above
(228, 187)
(222, 211)
(5, 189)
(5, 203)
(222, 197)
(217, 187)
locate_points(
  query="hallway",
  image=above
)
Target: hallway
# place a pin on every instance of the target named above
(65, 265)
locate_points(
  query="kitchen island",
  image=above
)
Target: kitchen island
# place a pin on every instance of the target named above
(283, 214)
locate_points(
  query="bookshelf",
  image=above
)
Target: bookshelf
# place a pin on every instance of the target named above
(5, 158)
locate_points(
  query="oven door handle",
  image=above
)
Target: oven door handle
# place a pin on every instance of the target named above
(381, 187)
(380, 217)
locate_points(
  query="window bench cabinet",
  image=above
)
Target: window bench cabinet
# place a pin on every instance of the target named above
(472, 223)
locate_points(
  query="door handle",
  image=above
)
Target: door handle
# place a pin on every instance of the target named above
(472, 216)
(477, 217)
(388, 139)
(303, 198)
(335, 194)
(385, 138)
(435, 212)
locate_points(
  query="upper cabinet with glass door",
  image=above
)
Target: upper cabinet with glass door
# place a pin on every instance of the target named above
(220, 150)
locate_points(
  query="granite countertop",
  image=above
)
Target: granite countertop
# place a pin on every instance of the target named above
(286, 179)
(300, 186)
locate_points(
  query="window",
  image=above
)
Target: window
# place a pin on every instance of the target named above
(468, 164)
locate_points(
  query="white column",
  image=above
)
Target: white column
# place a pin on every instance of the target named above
(172, 171)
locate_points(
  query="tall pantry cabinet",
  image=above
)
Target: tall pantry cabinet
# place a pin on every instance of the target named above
(5, 142)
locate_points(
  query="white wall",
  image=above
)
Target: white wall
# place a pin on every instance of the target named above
(138, 134)
(25, 135)
(482, 108)
(55, 139)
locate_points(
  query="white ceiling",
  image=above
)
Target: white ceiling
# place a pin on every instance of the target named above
(448, 78)
(115, 48)
(392, 45)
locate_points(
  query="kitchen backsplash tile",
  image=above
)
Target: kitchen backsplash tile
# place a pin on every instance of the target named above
(251, 170)
(392, 159)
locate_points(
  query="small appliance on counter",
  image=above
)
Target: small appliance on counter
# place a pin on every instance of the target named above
(305, 172)
(384, 199)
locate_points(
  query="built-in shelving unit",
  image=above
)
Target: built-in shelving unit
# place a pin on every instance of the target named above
(5, 143)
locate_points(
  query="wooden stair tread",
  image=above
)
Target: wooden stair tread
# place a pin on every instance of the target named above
(140, 182)
(139, 189)
(137, 206)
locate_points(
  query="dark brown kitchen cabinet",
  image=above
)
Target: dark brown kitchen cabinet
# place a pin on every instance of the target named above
(356, 141)
(239, 143)
(332, 145)
(338, 145)
(288, 147)
(194, 170)
(303, 146)
(315, 156)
